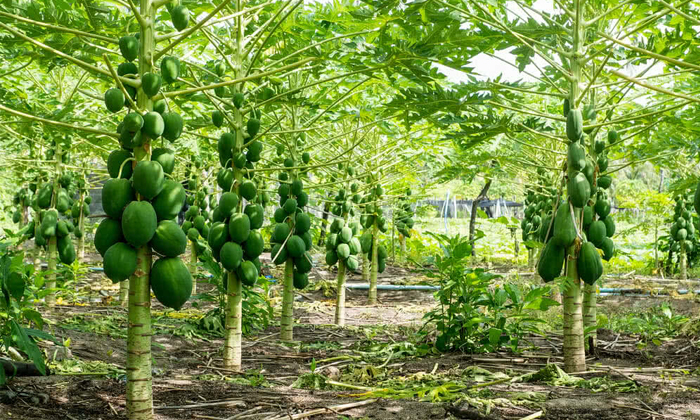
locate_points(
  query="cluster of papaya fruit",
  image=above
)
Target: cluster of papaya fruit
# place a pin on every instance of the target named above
(682, 232)
(291, 235)
(372, 211)
(140, 202)
(21, 200)
(343, 201)
(597, 227)
(136, 128)
(404, 215)
(373, 214)
(55, 208)
(538, 213)
(196, 224)
(343, 245)
(148, 220)
(234, 235)
(232, 157)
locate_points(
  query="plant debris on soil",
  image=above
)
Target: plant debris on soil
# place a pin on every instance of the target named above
(368, 370)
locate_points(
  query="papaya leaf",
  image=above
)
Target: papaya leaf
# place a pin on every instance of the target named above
(27, 345)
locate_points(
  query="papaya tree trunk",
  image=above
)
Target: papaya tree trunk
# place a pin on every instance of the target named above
(530, 259)
(234, 322)
(340, 297)
(589, 315)
(37, 258)
(683, 262)
(472, 217)
(324, 223)
(402, 244)
(51, 280)
(365, 268)
(139, 391)
(139, 395)
(287, 320)
(656, 247)
(81, 227)
(574, 348)
(37, 248)
(193, 266)
(234, 302)
(123, 293)
(393, 231)
(374, 267)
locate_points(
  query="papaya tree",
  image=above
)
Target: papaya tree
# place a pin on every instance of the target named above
(682, 239)
(403, 221)
(573, 52)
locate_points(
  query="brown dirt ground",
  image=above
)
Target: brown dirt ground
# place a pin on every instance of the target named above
(185, 374)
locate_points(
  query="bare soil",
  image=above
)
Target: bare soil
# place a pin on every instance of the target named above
(188, 383)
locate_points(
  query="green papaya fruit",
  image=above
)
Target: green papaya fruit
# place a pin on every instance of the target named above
(247, 273)
(303, 264)
(114, 100)
(66, 250)
(256, 214)
(170, 69)
(180, 17)
(574, 125)
(114, 164)
(295, 246)
(119, 262)
(171, 282)
(231, 256)
(149, 178)
(127, 68)
(217, 118)
(218, 236)
(579, 190)
(589, 264)
(300, 280)
(278, 255)
(576, 156)
(302, 223)
(150, 83)
(239, 227)
(139, 223)
(597, 233)
(602, 207)
(153, 125)
(169, 240)
(108, 233)
(604, 181)
(172, 126)
(117, 193)
(608, 249)
(602, 163)
(551, 262)
(564, 228)
(129, 47)
(166, 158)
